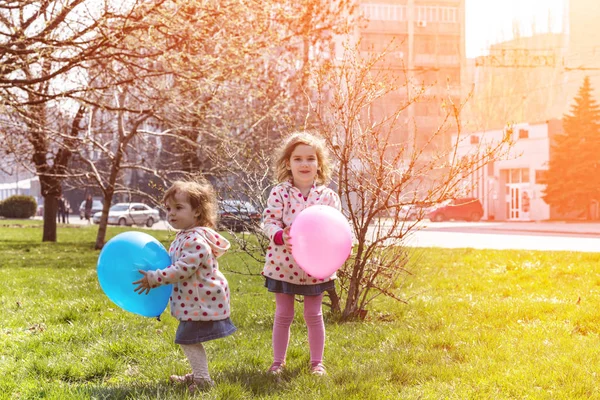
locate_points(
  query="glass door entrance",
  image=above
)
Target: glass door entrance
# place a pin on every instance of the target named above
(517, 193)
(514, 203)
(517, 203)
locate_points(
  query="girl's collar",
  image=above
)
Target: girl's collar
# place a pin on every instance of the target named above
(183, 231)
(315, 186)
(290, 183)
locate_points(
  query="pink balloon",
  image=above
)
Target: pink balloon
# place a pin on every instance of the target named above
(321, 240)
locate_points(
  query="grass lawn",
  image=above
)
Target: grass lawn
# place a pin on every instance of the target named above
(479, 324)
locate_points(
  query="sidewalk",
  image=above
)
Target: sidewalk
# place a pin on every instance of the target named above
(578, 228)
(75, 220)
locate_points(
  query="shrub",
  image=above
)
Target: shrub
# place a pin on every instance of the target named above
(18, 207)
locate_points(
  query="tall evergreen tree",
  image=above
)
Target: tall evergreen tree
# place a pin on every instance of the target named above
(573, 178)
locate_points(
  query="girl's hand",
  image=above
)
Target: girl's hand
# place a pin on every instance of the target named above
(287, 238)
(143, 284)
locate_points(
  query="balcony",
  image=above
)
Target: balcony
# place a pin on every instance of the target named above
(436, 59)
(440, 92)
(400, 27)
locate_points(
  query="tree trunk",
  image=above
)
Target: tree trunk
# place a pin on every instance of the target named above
(351, 300)
(51, 191)
(102, 227)
(335, 301)
(115, 169)
(100, 237)
(51, 177)
(50, 209)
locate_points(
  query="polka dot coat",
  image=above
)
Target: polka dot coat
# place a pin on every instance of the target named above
(200, 290)
(283, 205)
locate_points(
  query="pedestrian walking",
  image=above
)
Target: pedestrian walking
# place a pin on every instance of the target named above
(89, 202)
(60, 210)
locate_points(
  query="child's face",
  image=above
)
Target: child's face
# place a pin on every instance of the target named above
(304, 164)
(179, 212)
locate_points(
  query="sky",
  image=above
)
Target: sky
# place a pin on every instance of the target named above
(491, 21)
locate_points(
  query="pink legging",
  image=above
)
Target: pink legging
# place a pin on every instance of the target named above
(284, 315)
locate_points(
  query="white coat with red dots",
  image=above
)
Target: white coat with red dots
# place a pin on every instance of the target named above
(200, 290)
(283, 205)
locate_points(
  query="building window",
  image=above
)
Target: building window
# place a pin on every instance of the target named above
(523, 134)
(451, 76)
(540, 175)
(437, 14)
(427, 13)
(448, 45)
(448, 14)
(516, 175)
(424, 44)
(384, 12)
(525, 175)
(396, 45)
(474, 139)
(425, 108)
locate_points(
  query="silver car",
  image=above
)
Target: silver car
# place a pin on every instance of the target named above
(125, 214)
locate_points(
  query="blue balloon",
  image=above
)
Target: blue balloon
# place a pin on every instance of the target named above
(118, 265)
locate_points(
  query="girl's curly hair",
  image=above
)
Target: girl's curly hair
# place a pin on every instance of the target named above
(282, 172)
(201, 195)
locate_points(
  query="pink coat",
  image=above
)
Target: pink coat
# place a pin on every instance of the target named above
(200, 290)
(283, 205)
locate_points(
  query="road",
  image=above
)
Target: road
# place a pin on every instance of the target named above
(505, 240)
(504, 236)
(490, 235)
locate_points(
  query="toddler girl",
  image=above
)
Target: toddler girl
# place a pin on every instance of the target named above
(200, 297)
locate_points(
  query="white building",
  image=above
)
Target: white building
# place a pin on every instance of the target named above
(26, 187)
(509, 188)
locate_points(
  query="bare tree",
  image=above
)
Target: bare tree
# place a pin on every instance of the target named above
(45, 45)
(381, 169)
(206, 76)
(200, 72)
(243, 82)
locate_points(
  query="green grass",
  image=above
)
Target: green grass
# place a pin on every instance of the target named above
(478, 325)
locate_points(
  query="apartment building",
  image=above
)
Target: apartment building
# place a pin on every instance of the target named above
(425, 41)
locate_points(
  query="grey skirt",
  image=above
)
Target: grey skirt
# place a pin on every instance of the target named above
(275, 286)
(191, 332)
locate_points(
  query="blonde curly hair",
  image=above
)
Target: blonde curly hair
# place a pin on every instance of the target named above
(286, 149)
(201, 196)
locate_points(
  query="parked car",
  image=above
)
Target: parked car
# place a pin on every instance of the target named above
(96, 206)
(130, 214)
(412, 212)
(237, 215)
(468, 208)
